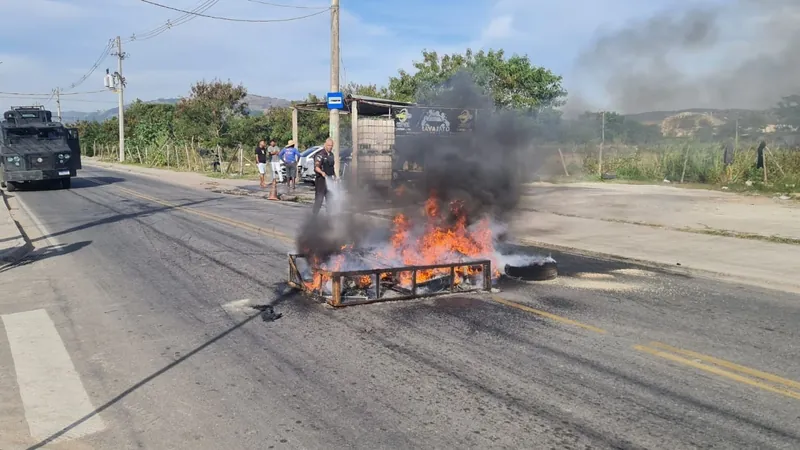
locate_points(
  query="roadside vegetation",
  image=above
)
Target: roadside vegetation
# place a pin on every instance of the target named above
(213, 122)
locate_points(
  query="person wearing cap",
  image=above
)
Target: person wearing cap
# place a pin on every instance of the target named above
(290, 156)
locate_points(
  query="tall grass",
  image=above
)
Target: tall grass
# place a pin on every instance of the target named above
(690, 163)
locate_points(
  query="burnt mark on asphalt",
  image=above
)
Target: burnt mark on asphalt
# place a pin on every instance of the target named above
(571, 263)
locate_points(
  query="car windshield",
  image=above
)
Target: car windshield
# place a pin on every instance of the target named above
(13, 134)
(309, 151)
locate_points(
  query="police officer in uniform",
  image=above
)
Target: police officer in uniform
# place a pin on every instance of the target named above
(324, 169)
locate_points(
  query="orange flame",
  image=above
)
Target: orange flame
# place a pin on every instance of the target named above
(441, 242)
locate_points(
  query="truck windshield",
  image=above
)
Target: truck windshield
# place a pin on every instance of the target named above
(14, 134)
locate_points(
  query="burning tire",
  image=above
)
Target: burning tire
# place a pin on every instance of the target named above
(543, 271)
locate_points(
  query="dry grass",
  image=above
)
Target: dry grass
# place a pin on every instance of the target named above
(696, 164)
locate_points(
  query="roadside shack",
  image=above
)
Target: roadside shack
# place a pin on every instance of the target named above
(389, 142)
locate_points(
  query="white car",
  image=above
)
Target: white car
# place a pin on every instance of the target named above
(306, 164)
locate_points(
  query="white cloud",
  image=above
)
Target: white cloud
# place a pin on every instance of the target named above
(499, 28)
(284, 59)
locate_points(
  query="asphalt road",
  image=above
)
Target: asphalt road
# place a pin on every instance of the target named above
(148, 287)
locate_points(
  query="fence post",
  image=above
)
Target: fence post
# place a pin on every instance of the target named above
(295, 129)
(241, 160)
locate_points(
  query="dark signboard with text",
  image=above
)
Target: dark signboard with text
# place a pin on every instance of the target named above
(432, 120)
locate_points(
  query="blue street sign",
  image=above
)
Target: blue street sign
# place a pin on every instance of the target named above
(335, 100)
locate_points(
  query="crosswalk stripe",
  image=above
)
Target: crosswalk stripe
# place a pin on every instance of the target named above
(51, 389)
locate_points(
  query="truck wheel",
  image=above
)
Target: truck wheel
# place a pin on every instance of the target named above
(66, 183)
(11, 186)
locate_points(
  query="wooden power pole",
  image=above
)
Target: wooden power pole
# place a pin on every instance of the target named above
(334, 113)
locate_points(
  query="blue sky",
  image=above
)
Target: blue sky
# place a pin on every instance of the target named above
(50, 43)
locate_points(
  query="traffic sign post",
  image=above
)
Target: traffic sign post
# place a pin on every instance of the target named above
(335, 100)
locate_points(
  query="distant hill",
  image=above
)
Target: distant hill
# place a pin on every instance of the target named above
(256, 104)
(724, 115)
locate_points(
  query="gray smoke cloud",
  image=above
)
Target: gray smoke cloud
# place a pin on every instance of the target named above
(742, 54)
(482, 171)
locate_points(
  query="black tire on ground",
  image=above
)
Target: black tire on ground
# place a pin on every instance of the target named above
(2, 184)
(533, 272)
(11, 186)
(66, 183)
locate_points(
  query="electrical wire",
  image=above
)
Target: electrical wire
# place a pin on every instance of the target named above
(230, 19)
(180, 20)
(64, 101)
(281, 5)
(100, 59)
(49, 94)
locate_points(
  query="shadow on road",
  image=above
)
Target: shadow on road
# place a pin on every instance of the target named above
(43, 253)
(77, 183)
(120, 217)
(264, 311)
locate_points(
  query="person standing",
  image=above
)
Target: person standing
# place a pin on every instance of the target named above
(261, 161)
(289, 155)
(275, 161)
(324, 170)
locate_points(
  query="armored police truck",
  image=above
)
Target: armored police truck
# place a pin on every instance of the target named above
(33, 148)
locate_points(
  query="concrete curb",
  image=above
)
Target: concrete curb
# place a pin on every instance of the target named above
(682, 270)
(22, 247)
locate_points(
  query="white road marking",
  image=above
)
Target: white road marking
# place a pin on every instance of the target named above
(47, 237)
(51, 389)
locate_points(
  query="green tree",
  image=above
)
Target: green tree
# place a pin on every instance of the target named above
(512, 82)
(207, 112)
(369, 90)
(149, 124)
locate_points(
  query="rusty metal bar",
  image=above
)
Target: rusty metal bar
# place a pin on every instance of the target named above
(487, 276)
(336, 298)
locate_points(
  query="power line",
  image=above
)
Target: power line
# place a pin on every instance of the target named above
(100, 59)
(180, 20)
(230, 19)
(281, 5)
(49, 94)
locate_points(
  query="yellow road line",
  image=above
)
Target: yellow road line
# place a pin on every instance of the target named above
(717, 371)
(729, 365)
(547, 315)
(214, 217)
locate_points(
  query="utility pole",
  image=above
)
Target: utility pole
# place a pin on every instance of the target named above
(120, 95)
(58, 103)
(334, 113)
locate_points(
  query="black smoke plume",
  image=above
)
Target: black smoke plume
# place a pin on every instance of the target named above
(733, 54)
(482, 170)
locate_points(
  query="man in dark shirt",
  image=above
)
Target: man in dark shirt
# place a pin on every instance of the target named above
(324, 169)
(261, 161)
